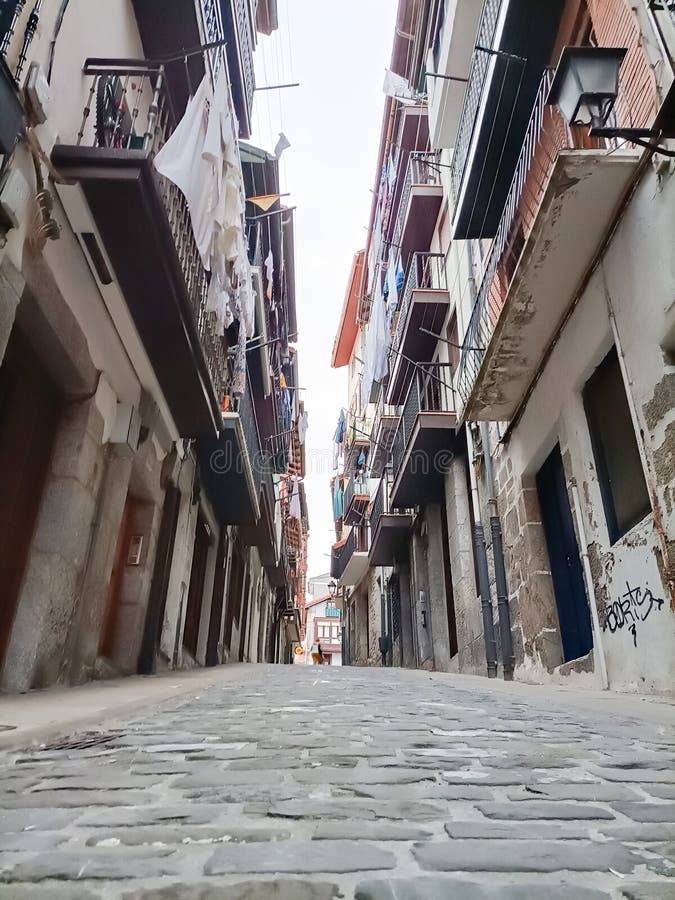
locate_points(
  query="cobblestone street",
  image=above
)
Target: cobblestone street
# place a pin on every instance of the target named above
(311, 784)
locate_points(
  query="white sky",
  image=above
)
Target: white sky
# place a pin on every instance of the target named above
(338, 53)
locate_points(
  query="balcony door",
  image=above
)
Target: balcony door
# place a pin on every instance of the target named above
(193, 613)
(568, 579)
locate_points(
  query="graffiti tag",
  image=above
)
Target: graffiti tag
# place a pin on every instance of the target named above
(635, 606)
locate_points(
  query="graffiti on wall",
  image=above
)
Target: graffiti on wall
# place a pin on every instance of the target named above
(634, 607)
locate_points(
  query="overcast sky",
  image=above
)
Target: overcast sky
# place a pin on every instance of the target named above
(338, 53)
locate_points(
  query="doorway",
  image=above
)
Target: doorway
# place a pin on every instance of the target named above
(193, 613)
(568, 579)
(112, 606)
(30, 409)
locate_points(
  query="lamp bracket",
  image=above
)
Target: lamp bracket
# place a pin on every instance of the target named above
(643, 137)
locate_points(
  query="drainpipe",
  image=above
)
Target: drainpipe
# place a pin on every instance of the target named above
(482, 564)
(590, 588)
(508, 659)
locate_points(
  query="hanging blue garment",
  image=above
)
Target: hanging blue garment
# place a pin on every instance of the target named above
(362, 460)
(341, 428)
(286, 411)
(337, 501)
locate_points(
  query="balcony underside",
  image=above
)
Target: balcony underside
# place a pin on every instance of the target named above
(355, 570)
(357, 509)
(391, 532)
(226, 473)
(529, 31)
(584, 190)
(277, 574)
(428, 454)
(428, 309)
(263, 534)
(424, 204)
(381, 446)
(127, 211)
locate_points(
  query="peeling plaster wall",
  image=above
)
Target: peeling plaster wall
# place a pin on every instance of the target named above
(629, 582)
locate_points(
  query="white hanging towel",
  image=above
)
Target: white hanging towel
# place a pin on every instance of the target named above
(303, 421)
(294, 509)
(398, 87)
(182, 161)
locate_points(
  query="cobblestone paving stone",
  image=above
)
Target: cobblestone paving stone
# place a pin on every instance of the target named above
(294, 783)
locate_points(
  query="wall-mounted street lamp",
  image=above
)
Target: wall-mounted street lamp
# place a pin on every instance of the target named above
(585, 88)
(332, 588)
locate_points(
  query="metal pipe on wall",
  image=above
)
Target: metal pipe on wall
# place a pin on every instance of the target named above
(508, 658)
(482, 565)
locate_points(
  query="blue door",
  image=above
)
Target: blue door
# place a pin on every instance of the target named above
(568, 577)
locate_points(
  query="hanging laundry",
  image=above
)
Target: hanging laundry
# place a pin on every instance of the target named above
(337, 499)
(294, 507)
(398, 87)
(282, 144)
(341, 429)
(392, 285)
(303, 420)
(183, 161)
(361, 462)
(269, 274)
(239, 374)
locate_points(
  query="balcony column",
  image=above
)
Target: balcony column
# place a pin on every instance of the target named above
(437, 604)
(406, 634)
(471, 649)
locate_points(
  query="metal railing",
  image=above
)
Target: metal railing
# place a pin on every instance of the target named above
(379, 505)
(422, 170)
(663, 13)
(356, 542)
(547, 135)
(426, 271)
(430, 391)
(243, 26)
(133, 111)
(249, 426)
(474, 91)
(355, 487)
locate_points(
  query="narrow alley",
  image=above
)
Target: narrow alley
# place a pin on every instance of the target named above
(298, 783)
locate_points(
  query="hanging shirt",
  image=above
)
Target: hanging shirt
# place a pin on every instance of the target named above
(303, 420)
(182, 160)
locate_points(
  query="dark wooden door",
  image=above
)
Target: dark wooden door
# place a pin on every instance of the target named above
(154, 617)
(216, 617)
(30, 408)
(193, 613)
(245, 603)
(233, 599)
(107, 640)
(568, 578)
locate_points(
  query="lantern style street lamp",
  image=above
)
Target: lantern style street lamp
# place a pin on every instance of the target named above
(585, 88)
(332, 588)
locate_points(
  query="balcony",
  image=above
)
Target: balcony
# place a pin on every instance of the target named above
(451, 54)
(356, 500)
(422, 311)
(382, 438)
(278, 573)
(231, 467)
(349, 558)
(389, 529)
(168, 28)
(135, 231)
(564, 192)
(420, 203)
(263, 534)
(498, 100)
(425, 440)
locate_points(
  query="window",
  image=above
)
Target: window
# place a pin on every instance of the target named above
(622, 482)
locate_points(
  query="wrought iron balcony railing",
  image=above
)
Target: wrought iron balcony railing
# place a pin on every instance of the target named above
(356, 542)
(379, 505)
(430, 391)
(133, 113)
(422, 170)
(355, 487)
(249, 427)
(426, 271)
(474, 91)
